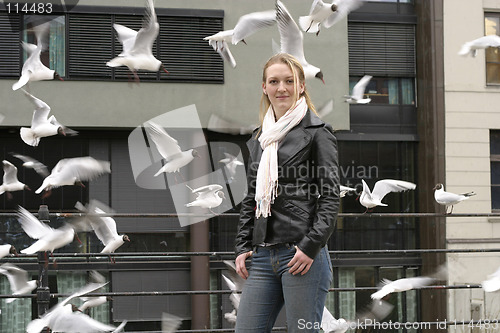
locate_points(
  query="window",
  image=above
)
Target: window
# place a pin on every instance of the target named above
(495, 169)
(492, 27)
(388, 90)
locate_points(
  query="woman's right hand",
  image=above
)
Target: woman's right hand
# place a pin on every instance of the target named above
(241, 269)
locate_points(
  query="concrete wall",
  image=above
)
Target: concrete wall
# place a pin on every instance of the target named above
(116, 104)
(472, 109)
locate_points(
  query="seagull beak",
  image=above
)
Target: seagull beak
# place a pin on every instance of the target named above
(163, 68)
(78, 238)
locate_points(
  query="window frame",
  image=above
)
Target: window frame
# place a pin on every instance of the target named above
(486, 62)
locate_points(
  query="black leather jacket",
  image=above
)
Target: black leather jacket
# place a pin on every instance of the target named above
(306, 207)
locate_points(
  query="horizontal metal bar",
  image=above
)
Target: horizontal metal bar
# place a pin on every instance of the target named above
(208, 216)
(222, 292)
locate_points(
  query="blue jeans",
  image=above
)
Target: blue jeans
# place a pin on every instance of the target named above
(270, 286)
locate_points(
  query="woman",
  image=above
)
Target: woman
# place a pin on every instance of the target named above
(291, 207)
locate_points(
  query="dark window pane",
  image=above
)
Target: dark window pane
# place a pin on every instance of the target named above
(495, 173)
(495, 142)
(495, 197)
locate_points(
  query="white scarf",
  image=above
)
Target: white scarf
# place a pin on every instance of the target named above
(272, 133)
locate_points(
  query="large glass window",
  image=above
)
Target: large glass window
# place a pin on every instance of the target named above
(495, 169)
(492, 27)
(388, 90)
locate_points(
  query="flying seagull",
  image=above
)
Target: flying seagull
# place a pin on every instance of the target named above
(231, 163)
(73, 171)
(327, 14)
(137, 46)
(479, 43)
(402, 285)
(6, 250)
(169, 149)
(292, 41)
(371, 199)
(492, 283)
(93, 301)
(10, 181)
(33, 68)
(18, 279)
(358, 92)
(449, 199)
(32, 163)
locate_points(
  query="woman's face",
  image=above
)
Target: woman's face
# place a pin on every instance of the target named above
(279, 88)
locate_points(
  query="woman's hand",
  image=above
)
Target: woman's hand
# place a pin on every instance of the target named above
(300, 263)
(241, 269)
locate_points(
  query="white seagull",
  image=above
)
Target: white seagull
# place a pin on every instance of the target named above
(169, 149)
(33, 69)
(329, 324)
(231, 163)
(6, 250)
(449, 199)
(41, 125)
(235, 283)
(49, 239)
(64, 317)
(292, 41)
(358, 92)
(137, 46)
(18, 279)
(10, 181)
(31, 163)
(371, 199)
(492, 283)
(402, 285)
(105, 227)
(73, 171)
(93, 301)
(327, 14)
(479, 43)
(219, 43)
(344, 190)
(170, 323)
(209, 196)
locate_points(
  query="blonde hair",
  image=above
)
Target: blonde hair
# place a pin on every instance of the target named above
(298, 76)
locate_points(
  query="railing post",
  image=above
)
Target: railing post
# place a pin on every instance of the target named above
(43, 292)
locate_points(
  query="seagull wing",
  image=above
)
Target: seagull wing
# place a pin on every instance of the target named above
(382, 187)
(316, 6)
(250, 23)
(104, 226)
(18, 278)
(344, 7)
(41, 112)
(359, 88)
(224, 51)
(170, 323)
(39, 167)
(148, 33)
(126, 37)
(10, 173)
(208, 188)
(69, 321)
(31, 225)
(167, 146)
(290, 35)
(83, 168)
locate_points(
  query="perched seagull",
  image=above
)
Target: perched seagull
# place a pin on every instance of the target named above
(382, 187)
(231, 163)
(137, 46)
(72, 171)
(235, 283)
(292, 41)
(6, 250)
(104, 226)
(331, 325)
(449, 199)
(479, 43)
(33, 69)
(169, 149)
(18, 279)
(31, 163)
(49, 239)
(10, 181)
(402, 285)
(219, 43)
(358, 92)
(65, 317)
(327, 14)
(492, 283)
(170, 323)
(344, 190)
(209, 196)
(93, 301)
(41, 125)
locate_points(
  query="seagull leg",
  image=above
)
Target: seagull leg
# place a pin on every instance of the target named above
(211, 211)
(451, 211)
(310, 25)
(47, 194)
(317, 33)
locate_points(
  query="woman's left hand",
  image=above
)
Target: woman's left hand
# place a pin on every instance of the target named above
(300, 263)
